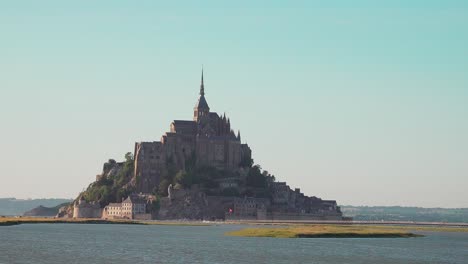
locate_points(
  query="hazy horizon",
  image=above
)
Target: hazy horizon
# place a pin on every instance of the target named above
(363, 103)
(353, 205)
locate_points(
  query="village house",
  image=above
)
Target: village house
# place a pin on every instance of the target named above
(134, 207)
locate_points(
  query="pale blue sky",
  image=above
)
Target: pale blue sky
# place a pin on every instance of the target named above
(358, 101)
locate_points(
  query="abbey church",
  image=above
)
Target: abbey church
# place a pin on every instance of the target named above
(208, 138)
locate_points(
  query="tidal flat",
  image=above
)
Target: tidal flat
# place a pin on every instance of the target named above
(342, 231)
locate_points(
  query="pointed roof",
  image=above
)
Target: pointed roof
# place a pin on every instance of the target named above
(202, 85)
(201, 103)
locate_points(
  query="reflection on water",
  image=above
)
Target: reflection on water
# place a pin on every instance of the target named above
(75, 243)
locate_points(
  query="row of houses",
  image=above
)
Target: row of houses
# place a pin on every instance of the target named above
(134, 207)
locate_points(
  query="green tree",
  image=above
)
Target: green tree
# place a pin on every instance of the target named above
(111, 189)
(246, 162)
(183, 178)
(255, 178)
(129, 157)
(163, 187)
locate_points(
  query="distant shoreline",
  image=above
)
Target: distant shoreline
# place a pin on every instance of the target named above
(11, 221)
(339, 228)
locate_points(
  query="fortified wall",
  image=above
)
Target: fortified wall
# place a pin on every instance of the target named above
(83, 209)
(194, 204)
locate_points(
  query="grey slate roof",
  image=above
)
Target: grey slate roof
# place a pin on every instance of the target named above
(134, 200)
(184, 122)
(201, 103)
(185, 126)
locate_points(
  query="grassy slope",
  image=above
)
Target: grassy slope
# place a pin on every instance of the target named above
(339, 231)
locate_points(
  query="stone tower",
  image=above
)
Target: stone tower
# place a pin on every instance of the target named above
(201, 109)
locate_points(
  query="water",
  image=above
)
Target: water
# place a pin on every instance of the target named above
(86, 243)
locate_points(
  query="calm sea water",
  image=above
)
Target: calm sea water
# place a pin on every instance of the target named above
(75, 243)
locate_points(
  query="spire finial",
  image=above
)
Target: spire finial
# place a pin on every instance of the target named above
(202, 85)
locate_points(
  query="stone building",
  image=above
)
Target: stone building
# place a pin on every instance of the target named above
(113, 210)
(248, 208)
(134, 207)
(281, 193)
(208, 139)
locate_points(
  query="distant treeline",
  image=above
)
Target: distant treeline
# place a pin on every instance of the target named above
(13, 207)
(398, 213)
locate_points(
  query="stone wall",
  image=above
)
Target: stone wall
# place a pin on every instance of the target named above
(150, 165)
(87, 212)
(295, 216)
(194, 205)
(142, 217)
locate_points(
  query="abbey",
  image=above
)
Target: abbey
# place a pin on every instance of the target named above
(208, 139)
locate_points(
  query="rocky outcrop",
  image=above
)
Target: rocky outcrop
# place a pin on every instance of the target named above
(110, 169)
(44, 211)
(65, 211)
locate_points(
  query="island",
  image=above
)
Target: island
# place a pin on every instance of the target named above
(199, 170)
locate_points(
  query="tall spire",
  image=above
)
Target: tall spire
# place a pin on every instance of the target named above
(202, 85)
(201, 107)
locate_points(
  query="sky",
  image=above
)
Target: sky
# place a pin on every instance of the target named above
(365, 102)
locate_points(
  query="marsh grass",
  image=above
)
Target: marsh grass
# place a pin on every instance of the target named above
(336, 231)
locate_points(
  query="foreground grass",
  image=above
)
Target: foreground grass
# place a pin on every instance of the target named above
(336, 231)
(8, 221)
